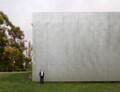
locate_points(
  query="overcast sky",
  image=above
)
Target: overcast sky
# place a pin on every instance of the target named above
(20, 11)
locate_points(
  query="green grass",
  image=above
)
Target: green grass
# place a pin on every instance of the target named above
(19, 82)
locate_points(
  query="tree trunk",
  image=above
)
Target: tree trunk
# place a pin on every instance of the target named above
(13, 67)
(7, 68)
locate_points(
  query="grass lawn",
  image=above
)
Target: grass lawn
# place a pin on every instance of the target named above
(19, 82)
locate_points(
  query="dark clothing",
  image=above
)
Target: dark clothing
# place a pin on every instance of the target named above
(41, 80)
(41, 77)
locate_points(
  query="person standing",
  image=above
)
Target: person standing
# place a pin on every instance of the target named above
(41, 74)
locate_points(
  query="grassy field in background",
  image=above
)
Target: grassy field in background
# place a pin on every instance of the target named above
(19, 82)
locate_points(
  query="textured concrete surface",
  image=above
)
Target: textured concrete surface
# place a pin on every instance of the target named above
(76, 46)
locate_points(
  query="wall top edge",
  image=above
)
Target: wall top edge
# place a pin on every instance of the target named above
(75, 12)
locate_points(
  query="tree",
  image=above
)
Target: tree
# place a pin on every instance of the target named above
(8, 56)
(28, 57)
(29, 51)
(12, 44)
(3, 43)
(1, 20)
(27, 62)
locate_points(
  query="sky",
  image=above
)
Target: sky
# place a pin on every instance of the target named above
(20, 11)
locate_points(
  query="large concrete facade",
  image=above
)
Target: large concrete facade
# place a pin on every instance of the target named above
(76, 46)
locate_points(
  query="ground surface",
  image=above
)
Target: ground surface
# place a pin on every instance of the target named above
(19, 82)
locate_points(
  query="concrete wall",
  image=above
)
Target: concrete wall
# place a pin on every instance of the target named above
(76, 46)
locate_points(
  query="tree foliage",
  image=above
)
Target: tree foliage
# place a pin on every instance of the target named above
(1, 20)
(12, 45)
